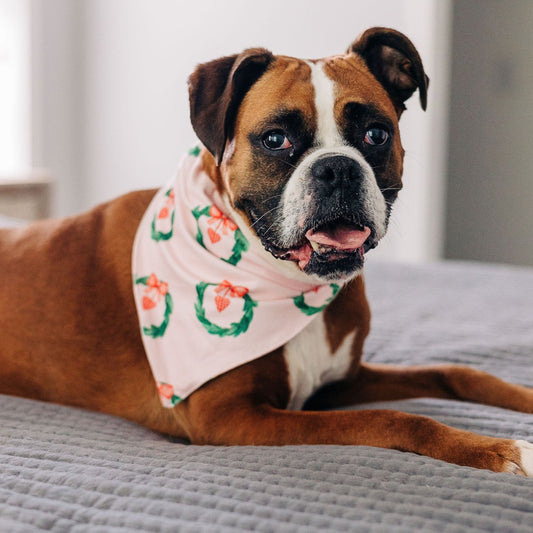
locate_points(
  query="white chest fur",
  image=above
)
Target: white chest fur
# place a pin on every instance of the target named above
(311, 363)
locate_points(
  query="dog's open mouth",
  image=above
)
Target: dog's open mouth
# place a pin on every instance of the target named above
(327, 242)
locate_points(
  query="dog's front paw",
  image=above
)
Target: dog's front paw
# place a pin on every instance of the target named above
(496, 454)
(523, 464)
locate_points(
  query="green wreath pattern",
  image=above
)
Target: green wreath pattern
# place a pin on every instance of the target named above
(299, 301)
(158, 331)
(195, 151)
(160, 235)
(175, 400)
(241, 242)
(236, 328)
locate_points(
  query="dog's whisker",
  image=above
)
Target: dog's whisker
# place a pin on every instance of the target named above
(269, 228)
(388, 189)
(272, 198)
(264, 215)
(287, 163)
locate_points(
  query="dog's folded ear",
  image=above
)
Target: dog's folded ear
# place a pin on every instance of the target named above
(216, 90)
(395, 62)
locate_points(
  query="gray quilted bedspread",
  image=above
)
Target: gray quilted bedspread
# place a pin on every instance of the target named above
(65, 469)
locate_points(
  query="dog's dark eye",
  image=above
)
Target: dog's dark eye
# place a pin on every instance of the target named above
(276, 140)
(376, 137)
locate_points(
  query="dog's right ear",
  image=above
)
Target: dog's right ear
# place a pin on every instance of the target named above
(216, 90)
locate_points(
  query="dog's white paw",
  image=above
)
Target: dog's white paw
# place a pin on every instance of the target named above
(526, 457)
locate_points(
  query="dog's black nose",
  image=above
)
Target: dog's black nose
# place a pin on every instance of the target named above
(337, 171)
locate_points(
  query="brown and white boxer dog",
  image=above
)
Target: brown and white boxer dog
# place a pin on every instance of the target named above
(307, 161)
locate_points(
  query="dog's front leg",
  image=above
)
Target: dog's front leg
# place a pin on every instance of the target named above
(375, 383)
(245, 407)
(265, 425)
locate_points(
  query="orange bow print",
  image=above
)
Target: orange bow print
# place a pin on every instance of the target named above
(226, 289)
(155, 290)
(169, 204)
(231, 290)
(223, 224)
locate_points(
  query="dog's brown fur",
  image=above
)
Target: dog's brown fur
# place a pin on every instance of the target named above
(70, 335)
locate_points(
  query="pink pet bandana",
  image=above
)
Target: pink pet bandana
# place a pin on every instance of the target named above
(206, 302)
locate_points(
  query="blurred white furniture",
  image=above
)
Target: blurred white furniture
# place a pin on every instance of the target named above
(26, 195)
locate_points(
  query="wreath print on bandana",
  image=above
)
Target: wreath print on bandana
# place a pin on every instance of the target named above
(220, 228)
(307, 309)
(224, 296)
(195, 151)
(163, 220)
(166, 394)
(156, 298)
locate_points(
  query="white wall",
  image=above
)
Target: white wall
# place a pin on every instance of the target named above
(57, 98)
(15, 147)
(128, 98)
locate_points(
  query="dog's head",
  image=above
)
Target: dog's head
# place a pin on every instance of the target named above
(308, 153)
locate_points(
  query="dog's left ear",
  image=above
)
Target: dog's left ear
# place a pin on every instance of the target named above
(216, 90)
(395, 62)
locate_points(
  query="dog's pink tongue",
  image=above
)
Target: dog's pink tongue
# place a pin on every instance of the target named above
(340, 238)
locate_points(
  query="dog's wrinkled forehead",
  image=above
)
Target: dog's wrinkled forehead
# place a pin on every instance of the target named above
(285, 84)
(312, 95)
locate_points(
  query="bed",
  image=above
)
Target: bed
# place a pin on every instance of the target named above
(65, 469)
